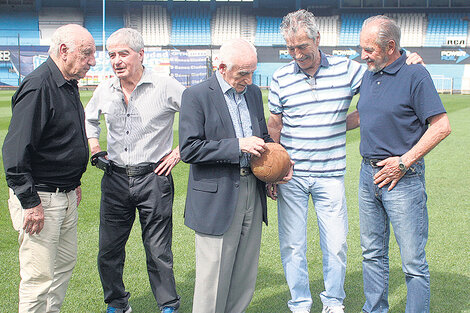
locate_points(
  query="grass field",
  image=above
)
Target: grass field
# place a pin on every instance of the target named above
(448, 249)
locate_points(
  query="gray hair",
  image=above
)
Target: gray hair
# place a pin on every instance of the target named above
(126, 36)
(62, 37)
(299, 20)
(231, 49)
(388, 30)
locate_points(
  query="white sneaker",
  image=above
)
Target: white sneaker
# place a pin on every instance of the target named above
(333, 309)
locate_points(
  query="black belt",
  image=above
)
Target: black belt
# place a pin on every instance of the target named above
(136, 170)
(245, 171)
(47, 188)
(371, 162)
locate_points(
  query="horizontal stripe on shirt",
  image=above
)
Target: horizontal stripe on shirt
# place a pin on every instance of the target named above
(314, 113)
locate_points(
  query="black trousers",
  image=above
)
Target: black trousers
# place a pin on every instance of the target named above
(152, 195)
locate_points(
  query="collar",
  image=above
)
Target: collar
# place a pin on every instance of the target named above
(57, 74)
(323, 63)
(226, 86)
(145, 79)
(396, 65)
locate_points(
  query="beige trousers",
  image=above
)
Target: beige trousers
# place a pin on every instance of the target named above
(48, 258)
(227, 265)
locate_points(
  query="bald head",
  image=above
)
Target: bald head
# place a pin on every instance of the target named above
(73, 50)
(237, 63)
(70, 35)
(235, 51)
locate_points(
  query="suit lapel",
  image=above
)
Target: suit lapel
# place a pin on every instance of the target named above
(251, 103)
(218, 102)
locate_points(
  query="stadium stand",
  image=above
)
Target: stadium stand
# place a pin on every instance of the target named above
(267, 31)
(350, 28)
(51, 18)
(94, 23)
(133, 19)
(22, 23)
(412, 28)
(190, 26)
(444, 25)
(226, 24)
(155, 25)
(329, 30)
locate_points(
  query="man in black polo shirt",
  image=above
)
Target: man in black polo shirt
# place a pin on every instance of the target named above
(45, 154)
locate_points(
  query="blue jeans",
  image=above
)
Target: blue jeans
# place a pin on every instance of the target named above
(405, 208)
(330, 205)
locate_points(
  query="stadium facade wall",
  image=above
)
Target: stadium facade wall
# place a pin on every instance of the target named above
(449, 65)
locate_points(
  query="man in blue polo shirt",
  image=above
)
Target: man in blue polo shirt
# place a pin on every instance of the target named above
(309, 100)
(402, 119)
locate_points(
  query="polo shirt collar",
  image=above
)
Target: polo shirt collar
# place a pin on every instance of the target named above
(57, 74)
(396, 65)
(226, 86)
(145, 79)
(323, 63)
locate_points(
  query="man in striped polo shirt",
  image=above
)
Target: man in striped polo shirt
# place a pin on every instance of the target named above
(309, 99)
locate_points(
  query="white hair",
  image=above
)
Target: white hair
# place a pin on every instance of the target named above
(232, 49)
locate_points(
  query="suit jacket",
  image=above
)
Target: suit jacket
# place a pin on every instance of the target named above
(208, 142)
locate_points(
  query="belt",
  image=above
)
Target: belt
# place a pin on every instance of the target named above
(136, 170)
(245, 171)
(371, 162)
(47, 188)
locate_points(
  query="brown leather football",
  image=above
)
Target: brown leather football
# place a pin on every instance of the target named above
(273, 164)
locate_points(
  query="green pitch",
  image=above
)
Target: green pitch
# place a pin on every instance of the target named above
(448, 248)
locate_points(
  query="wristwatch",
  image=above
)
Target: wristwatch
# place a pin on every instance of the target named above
(402, 166)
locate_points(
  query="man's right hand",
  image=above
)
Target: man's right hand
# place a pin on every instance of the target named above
(33, 221)
(253, 145)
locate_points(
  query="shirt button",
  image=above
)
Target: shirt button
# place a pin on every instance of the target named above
(237, 185)
(381, 73)
(128, 115)
(127, 132)
(378, 83)
(125, 149)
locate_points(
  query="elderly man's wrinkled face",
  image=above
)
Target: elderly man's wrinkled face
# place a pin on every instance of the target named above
(375, 57)
(126, 63)
(241, 72)
(303, 49)
(79, 61)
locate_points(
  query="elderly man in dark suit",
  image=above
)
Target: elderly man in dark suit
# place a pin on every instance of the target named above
(222, 125)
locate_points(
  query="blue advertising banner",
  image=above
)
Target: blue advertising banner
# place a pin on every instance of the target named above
(188, 67)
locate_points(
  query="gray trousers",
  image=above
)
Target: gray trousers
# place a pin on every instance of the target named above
(227, 265)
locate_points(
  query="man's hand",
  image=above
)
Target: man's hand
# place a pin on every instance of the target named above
(389, 174)
(272, 187)
(33, 221)
(168, 162)
(414, 58)
(253, 145)
(289, 174)
(272, 190)
(78, 192)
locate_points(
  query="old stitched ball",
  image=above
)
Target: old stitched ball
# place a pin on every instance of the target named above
(272, 165)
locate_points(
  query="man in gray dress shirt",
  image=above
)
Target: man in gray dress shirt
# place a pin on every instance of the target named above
(139, 110)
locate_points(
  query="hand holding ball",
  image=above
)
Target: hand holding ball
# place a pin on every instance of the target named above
(273, 165)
